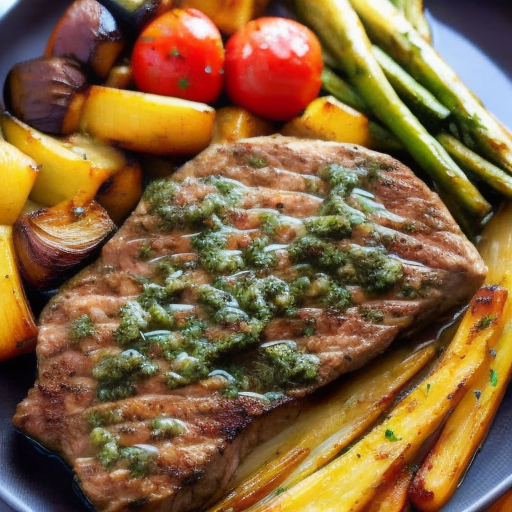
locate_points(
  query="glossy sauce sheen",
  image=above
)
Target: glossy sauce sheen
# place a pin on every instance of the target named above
(261, 271)
(467, 33)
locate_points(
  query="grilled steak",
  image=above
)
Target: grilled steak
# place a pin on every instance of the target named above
(261, 271)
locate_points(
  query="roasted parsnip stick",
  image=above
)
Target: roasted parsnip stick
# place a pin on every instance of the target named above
(348, 483)
(326, 427)
(466, 428)
(392, 496)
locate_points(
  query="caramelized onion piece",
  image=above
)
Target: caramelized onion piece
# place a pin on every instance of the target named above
(88, 33)
(53, 243)
(46, 93)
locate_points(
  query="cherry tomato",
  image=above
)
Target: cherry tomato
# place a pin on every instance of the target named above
(273, 67)
(180, 53)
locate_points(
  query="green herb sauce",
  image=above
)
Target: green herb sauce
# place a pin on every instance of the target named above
(81, 328)
(139, 460)
(221, 333)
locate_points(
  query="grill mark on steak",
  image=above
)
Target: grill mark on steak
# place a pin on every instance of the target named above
(281, 178)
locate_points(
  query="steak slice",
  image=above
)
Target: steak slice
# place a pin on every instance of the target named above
(261, 271)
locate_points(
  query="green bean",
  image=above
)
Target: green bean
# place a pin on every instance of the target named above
(389, 28)
(383, 140)
(340, 30)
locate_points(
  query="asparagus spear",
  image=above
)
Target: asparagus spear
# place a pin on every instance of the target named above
(420, 100)
(486, 171)
(343, 91)
(382, 139)
(429, 110)
(344, 37)
(413, 10)
(390, 29)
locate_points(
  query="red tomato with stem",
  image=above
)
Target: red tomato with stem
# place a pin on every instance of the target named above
(180, 53)
(273, 67)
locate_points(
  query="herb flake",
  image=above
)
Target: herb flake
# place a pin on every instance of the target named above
(391, 436)
(494, 377)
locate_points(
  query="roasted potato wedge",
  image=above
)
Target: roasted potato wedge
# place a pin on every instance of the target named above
(147, 123)
(67, 166)
(121, 193)
(62, 173)
(228, 15)
(327, 118)
(18, 173)
(234, 123)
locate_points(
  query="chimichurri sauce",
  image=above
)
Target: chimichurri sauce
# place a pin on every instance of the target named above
(220, 332)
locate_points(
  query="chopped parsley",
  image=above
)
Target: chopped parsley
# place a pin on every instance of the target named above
(391, 436)
(485, 322)
(493, 377)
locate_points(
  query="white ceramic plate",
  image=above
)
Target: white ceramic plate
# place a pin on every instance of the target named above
(475, 37)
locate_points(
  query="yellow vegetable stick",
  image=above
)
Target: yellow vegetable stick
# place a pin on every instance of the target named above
(326, 427)
(504, 504)
(465, 430)
(392, 496)
(349, 482)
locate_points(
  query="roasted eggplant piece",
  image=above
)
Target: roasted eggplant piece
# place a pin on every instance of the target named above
(53, 243)
(134, 14)
(88, 33)
(46, 93)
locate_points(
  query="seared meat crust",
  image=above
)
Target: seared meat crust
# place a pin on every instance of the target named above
(276, 180)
